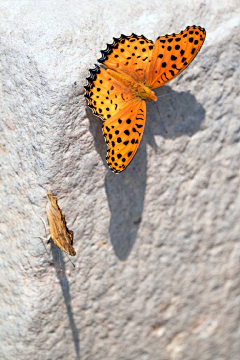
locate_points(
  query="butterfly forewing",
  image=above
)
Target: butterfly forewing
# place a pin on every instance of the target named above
(173, 53)
(123, 133)
(106, 95)
(129, 54)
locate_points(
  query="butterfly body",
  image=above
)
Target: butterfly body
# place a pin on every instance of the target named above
(135, 66)
(137, 88)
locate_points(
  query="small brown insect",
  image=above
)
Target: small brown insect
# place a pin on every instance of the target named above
(59, 233)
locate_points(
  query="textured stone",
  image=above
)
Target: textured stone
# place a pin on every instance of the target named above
(157, 265)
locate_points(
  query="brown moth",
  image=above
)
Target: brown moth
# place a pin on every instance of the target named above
(59, 233)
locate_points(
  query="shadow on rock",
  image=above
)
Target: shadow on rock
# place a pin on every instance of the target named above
(177, 112)
(181, 115)
(125, 193)
(61, 275)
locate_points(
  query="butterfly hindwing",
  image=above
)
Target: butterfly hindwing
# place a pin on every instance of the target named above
(129, 54)
(123, 133)
(173, 53)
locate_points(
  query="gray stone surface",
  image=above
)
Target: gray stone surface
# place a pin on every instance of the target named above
(157, 266)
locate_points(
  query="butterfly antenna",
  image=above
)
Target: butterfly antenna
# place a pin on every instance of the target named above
(59, 259)
(173, 92)
(161, 119)
(71, 261)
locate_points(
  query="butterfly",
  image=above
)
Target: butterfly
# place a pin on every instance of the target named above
(59, 233)
(134, 67)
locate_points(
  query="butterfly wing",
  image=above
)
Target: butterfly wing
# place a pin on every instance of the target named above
(64, 243)
(173, 53)
(61, 236)
(123, 133)
(130, 55)
(106, 96)
(123, 112)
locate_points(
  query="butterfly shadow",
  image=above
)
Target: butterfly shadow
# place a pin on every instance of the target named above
(58, 263)
(174, 114)
(180, 114)
(125, 192)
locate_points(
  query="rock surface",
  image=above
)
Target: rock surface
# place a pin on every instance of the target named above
(157, 265)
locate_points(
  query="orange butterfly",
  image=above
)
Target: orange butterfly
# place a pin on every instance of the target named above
(135, 66)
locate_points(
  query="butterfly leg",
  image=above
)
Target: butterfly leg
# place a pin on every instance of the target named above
(46, 227)
(47, 239)
(41, 237)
